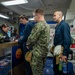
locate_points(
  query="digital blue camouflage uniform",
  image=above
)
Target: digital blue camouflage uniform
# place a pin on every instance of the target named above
(39, 40)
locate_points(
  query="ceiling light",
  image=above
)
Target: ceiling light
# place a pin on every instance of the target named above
(3, 16)
(14, 2)
(31, 18)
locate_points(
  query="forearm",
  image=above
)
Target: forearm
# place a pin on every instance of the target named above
(66, 47)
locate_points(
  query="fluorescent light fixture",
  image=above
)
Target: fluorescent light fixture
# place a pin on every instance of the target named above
(14, 2)
(3, 16)
(31, 18)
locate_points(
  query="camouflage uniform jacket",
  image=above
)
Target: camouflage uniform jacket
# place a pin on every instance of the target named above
(39, 39)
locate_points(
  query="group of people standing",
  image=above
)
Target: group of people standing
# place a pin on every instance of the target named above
(36, 38)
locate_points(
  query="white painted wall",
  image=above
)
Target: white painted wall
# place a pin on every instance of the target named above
(74, 23)
(49, 18)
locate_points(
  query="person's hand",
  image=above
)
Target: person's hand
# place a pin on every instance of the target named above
(16, 40)
(27, 46)
(64, 58)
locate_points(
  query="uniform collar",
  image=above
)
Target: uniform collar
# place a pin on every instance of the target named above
(61, 21)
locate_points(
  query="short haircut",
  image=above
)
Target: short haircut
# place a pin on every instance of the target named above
(23, 16)
(60, 12)
(4, 26)
(40, 11)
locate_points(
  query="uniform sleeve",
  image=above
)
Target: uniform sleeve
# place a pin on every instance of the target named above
(66, 38)
(27, 32)
(34, 36)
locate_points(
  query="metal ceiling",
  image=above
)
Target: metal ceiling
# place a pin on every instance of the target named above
(49, 7)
